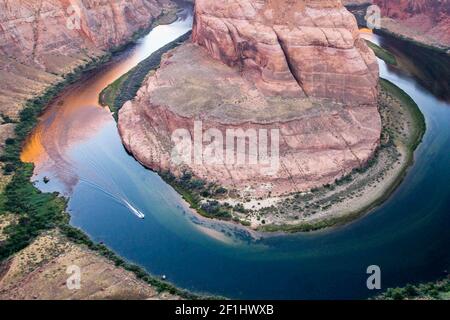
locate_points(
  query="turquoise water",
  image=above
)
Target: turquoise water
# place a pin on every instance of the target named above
(408, 236)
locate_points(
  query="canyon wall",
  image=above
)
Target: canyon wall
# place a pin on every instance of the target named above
(437, 10)
(425, 21)
(40, 42)
(253, 66)
(42, 32)
(38, 47)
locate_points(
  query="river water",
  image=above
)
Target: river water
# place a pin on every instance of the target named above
(76, 145)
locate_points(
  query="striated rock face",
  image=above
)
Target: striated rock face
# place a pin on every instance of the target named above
(404, 9)
(40, 40)
(256, 67)
(37, 32)
(318, 142)
(425, 21)
(310, 48)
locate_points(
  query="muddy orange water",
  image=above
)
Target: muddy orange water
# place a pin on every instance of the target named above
(76, 114)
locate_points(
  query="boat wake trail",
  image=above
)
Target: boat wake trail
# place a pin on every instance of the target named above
(136, 211)
(97, 177)
(121, 200)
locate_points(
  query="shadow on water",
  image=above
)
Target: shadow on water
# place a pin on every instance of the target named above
(429, 67)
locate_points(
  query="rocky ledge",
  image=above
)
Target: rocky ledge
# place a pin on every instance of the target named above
(43, 42)
(423, 21)
(261, 67)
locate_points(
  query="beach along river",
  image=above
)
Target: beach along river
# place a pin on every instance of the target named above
(77, 146)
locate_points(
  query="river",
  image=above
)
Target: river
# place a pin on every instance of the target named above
(76, 145)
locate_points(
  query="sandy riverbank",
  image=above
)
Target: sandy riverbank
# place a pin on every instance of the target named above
(358, 193)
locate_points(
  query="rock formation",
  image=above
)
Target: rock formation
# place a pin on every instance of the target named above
(290, 49)
(43, 33)
(426, 21)
(41, 41)
(438, 10)
(262, 66)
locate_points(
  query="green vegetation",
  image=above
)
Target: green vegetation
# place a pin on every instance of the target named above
(125, 88)
(36, 211)
(408, 135)
(439, 290)
(382, 53)
(199, 195)
(6, 119)
(419, 127)
(311, 226)
(194, 190)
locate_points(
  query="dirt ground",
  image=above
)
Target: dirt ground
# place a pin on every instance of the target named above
(40, 272)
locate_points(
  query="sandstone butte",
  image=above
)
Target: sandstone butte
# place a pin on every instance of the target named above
(296, 66)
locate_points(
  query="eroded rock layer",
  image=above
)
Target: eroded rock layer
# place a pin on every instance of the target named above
(297, 48)
(297, 69)
(426, 21)
(41, 32)
(320, 140)
(43, 40)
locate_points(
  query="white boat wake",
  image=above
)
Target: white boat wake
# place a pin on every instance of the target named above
(136, 211)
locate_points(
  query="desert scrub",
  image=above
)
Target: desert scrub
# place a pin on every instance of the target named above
(195, 191)
(417, 117)
(78, 237)
(36, 211)
(439, 290)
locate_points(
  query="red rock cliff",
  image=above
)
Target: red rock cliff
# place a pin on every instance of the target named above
(426, 21)
(296, 67)
(37, 32)
(296, 48)
(404, 9)
(38, 44)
